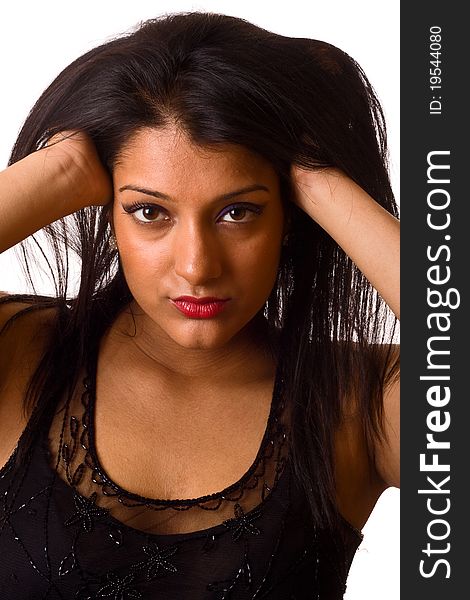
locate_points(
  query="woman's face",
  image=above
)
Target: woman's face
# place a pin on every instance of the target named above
(200, 222)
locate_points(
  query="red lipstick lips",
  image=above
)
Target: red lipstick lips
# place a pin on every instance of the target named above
(200, 308)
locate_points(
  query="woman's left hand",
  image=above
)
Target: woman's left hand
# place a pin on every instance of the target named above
(314, 188)
(371, 237)
(368, 233)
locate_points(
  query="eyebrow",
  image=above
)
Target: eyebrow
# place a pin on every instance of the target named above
(245, 190)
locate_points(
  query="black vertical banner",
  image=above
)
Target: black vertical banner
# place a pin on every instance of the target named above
(435, 331)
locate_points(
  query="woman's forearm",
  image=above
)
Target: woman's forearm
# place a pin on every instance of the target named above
(368, 234)
(33, 194)
(49, 184)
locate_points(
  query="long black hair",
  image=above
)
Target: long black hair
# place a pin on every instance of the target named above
(290, 100)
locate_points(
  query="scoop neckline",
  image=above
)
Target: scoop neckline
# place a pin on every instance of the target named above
(90, 390)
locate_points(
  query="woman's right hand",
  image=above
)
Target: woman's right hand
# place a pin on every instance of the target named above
(90, 182)
(49, 184)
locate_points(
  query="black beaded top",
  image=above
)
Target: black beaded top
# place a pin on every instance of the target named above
(68, 531)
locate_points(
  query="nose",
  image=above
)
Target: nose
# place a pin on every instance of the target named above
(197, 255)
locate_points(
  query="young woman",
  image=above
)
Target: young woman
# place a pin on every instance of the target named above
(215, 413)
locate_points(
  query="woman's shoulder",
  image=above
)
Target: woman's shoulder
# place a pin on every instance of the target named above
(24, 333)
(358, 482)
(25, 322)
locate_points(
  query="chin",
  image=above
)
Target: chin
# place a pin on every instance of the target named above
(200, 343)
(192, 339)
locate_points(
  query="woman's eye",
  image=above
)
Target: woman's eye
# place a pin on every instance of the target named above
(241, 213)
(146, 213)
(150, 213)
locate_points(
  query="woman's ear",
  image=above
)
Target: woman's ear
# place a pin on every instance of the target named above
(109, 216)
(287, 218)
(112, 244)
(287, 225)
(287, 204)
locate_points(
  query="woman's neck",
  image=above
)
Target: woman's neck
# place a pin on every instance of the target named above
(248, 356)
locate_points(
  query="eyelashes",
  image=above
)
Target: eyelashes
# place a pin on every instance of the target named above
(246, 208)
(134, 208)
(249, 212)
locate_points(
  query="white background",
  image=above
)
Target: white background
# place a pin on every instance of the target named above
(39, 39)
